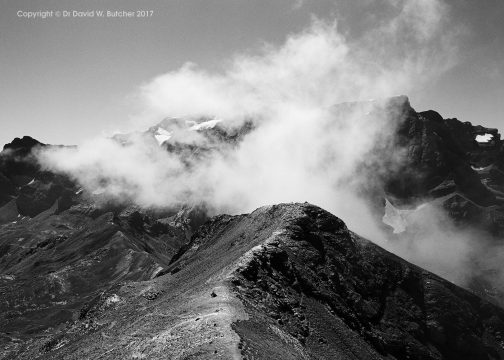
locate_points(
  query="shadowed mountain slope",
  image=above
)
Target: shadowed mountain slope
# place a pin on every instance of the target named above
(447, 159)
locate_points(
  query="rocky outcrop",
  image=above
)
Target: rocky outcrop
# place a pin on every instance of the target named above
(23, 180)
(436, 159)
(17, 161)
(437, 150)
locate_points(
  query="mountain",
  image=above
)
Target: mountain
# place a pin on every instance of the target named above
(286, 281)
(448, 157)
(82, 276)
(428, 158)
(60, 246)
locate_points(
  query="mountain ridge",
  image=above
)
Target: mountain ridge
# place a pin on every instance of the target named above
(292, 277)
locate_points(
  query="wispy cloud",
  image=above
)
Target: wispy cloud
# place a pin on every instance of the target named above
(298, 4)
(303, 148)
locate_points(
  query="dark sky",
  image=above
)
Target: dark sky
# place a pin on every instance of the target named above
(66, 79)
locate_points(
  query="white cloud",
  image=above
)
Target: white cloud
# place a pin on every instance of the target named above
(303, 149)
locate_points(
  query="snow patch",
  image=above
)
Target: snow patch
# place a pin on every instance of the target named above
(31, 182)
(484, 138)
(397, 218)
(162, 135)
(210, 124)
(484, 168)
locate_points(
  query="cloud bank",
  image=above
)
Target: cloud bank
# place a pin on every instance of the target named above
(303, 147)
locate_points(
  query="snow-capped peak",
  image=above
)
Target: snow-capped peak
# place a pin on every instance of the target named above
(205, 125)
(484, 138)
(162, 135)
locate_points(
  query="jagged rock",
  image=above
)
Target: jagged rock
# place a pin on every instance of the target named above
(17, 164)
(22, 146)
(437, 150)
(440, 159)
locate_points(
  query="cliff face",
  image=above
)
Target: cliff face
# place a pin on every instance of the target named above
(443, 153)
(286, 281)
(444, 161)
